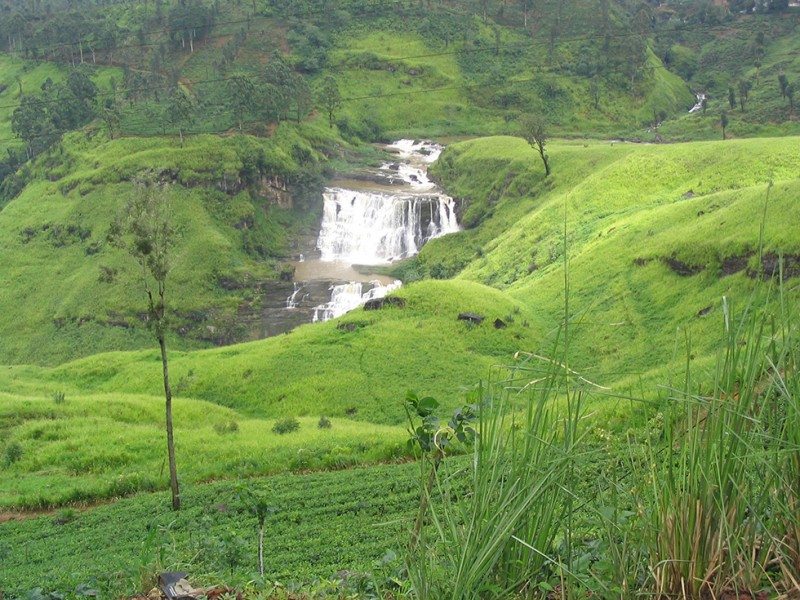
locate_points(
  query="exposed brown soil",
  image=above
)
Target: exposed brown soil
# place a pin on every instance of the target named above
(771, 265)
(735, 264)
(681, 268)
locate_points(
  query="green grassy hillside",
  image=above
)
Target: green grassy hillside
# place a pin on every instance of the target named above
(69, 293)
(657, 236)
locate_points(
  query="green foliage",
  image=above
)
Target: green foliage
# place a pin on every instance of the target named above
(286, 425)
(324, 423)
(12, 453)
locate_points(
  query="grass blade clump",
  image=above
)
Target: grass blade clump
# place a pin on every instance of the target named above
(715, 526)
(494, 521)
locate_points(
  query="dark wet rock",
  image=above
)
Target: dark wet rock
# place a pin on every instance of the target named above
(351, 326)
(500, 324)
(287, 272)
(704, 311)
(379, 303)
(688, 195)
(470, 317)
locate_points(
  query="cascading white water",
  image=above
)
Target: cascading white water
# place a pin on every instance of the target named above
(371, 228)
(349, 296)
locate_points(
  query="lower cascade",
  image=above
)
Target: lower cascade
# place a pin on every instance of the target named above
(349, 296)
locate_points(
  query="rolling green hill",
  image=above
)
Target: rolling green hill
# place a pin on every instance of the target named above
(657, 237)
(69, 293)
(640, 252)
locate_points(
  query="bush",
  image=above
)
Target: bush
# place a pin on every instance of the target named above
(12, 453)
(287, 425)
(59, 397)
(225, 428)
(324, 423)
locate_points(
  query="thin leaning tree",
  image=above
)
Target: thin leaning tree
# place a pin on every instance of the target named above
(533, 129)
(144, 230)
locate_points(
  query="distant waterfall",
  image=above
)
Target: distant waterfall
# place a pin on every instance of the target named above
(349, 296)
(375, 227)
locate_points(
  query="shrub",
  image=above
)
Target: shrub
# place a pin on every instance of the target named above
(324, 423)
(225, 428)
(287, 425)
(59, 397)
(12, 453)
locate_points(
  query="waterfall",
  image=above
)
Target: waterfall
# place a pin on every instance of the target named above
(349, 296)
(376, 227)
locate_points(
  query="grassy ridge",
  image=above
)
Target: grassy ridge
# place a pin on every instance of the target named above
(640, 225)
(103, 446)
(325, 368)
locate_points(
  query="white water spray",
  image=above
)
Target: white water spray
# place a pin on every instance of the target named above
(349, 296)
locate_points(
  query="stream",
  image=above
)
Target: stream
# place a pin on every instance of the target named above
(368, 220)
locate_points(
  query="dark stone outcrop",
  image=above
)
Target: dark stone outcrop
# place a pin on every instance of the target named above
(379, 303)
(469, 317)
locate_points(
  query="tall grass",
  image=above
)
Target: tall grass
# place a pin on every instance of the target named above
(723, 512)
(495, 522)
(715, 495)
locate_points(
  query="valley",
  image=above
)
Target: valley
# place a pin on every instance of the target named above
(449, 300)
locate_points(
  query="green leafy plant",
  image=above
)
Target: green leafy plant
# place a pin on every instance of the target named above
(287, 425)
(324, 423)
(12, 453)
(59, 397)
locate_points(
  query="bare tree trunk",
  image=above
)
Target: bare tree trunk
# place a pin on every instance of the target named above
(424, 501)
(261, 548)
(173, 469)
(545, 160)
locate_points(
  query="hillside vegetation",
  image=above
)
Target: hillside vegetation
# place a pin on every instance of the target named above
(648, 268)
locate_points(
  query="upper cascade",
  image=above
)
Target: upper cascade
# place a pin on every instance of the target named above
(375, 226)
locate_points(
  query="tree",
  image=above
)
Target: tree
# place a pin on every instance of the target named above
(330, 98)
(242, 97)
(744, 92)
(144, 230)
(783, 81)
(594, 91)
(258, 502)
(533, 129)
(723, 121)
(731, 97)
(179, 111)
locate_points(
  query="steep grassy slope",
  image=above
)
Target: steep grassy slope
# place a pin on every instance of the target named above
(657, 235)
(67, 293)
